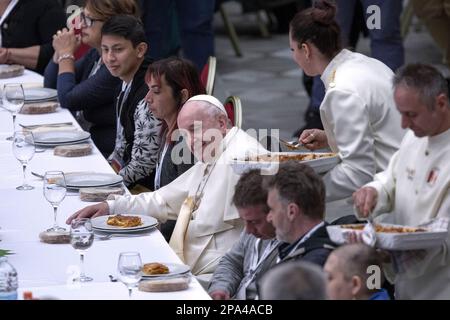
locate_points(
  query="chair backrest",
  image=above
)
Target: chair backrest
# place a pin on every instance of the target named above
(233, 106)
(208, 75)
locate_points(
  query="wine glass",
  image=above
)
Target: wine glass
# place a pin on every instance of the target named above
(81, 238)
(129, 267)
(13, 100)
(55, 192)
(23, 149)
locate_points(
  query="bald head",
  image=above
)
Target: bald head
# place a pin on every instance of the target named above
(204, 123)
(354, 259)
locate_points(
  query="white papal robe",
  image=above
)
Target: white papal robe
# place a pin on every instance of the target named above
(215, 226)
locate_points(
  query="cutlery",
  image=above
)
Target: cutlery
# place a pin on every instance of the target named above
(118, 235)
(112, 278)
(57, 124)
(37, 175)
(293, 145)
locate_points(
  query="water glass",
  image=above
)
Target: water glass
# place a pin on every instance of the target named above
(23, 149)
(55, 192)
(81, 238)
(129, 268)
(13, 100)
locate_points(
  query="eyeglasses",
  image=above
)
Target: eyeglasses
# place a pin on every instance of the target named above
(88, 21)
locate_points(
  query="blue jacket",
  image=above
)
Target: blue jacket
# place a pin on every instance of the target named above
(95, 96)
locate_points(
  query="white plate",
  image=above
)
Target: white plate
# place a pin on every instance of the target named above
(320, 166)
(174, 269)
(76, 180)
(40, 94)
(55, 138)
(99, 223)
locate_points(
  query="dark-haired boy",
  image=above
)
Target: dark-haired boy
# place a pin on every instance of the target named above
(137, 140)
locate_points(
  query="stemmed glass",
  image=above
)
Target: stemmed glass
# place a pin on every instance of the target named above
(13, 100)
(81, 238)
(55, 192)
(23, 149)
(129, 267)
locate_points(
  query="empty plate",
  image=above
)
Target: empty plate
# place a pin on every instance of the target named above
(40, 94)
(76, 180)
(54, 138)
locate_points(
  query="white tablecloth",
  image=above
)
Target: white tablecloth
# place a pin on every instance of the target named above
(45, 269)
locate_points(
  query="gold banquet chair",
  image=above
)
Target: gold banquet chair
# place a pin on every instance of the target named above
(233, 106)
(208, 75)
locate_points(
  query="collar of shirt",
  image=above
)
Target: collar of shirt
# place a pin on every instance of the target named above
(327, 74)
(286, 248)
(439, 140)
(5, 15)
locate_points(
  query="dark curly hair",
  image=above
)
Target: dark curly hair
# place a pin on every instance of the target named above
(318, 26)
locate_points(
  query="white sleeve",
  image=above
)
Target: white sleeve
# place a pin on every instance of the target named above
(348, 115)
(385, 183)
(163, 204)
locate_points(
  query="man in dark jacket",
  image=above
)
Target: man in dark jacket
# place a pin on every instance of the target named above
(137, 140)
(296, 198)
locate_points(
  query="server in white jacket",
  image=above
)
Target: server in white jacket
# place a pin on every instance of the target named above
(208, 223)
(358, 112)
(416, 186)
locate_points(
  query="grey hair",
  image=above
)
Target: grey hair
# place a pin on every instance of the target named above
(426, 79)
(298, 280)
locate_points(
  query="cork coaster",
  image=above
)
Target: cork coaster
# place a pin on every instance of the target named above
(11, 71)
(164, 285)
(99, 194)
(54, 237)
(39, 107)
(73, 150)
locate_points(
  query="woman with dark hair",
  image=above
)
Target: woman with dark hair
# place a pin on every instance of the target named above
(171, 83)
(86, 87)
(358, 111)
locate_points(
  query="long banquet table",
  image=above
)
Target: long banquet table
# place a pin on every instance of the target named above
(45, 269)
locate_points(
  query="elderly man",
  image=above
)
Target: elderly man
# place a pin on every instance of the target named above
(296, 198)
(237, 272)
(200, 199)
(415, 186)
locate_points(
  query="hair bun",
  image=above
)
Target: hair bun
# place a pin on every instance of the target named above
(324, 12)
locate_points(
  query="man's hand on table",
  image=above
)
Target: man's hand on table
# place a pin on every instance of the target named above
(93, 211)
